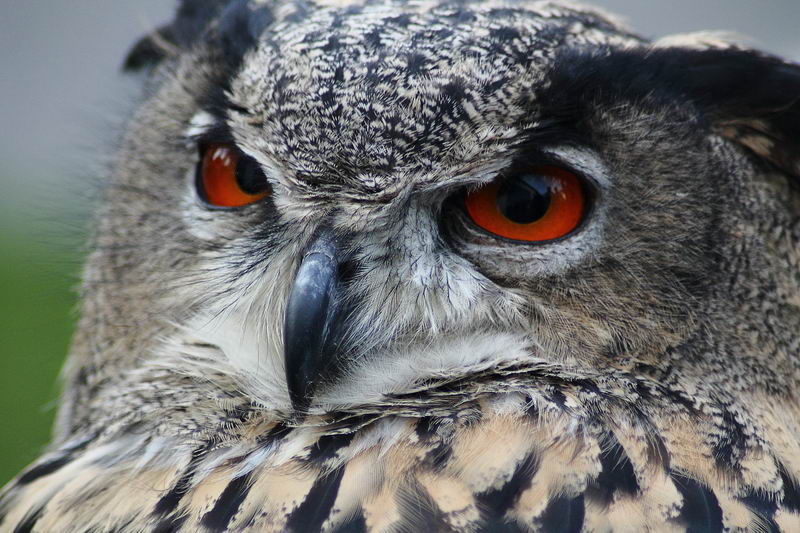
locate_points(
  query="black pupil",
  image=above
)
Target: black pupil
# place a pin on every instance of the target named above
(249, 176)
(524, 198)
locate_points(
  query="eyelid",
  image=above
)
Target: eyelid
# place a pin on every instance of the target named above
(213, 131)
(584, 162)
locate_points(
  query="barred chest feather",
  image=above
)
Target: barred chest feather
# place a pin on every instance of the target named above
(527, 454)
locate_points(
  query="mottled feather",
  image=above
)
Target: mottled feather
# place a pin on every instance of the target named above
(638, 374)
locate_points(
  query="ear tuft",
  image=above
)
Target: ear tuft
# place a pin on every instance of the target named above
(191, 21)
(150, 50)
(753, 99)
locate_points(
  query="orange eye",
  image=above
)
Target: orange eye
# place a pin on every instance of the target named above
(226, 179)
(534, 204)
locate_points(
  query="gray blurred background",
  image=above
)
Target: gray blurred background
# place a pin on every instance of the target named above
(62, 101)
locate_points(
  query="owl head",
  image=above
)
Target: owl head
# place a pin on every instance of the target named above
(329, 208)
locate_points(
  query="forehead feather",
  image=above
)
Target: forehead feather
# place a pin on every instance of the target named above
(376, 89)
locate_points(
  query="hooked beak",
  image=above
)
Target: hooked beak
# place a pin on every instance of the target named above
(309, 328)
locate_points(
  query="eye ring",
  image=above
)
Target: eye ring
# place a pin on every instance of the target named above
(532, 204)
(227, 179)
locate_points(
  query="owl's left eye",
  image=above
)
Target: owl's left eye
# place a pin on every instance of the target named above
(531, 204)
(225, 178)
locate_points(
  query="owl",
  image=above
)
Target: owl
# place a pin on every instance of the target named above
(483, 266)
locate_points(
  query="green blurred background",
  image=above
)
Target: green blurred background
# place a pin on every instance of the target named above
(61, 105)
(62, 101)
(35, 325)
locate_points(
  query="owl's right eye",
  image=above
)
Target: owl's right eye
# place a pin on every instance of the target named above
(225, 178)
(529, 204)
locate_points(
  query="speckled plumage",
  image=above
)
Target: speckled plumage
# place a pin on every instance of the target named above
(640, 374)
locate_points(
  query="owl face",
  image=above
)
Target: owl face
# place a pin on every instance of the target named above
(320, 207)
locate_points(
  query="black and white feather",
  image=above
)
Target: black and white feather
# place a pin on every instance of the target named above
(354, 351)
